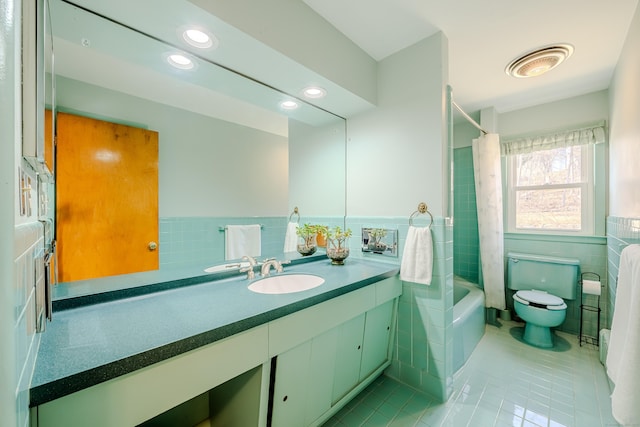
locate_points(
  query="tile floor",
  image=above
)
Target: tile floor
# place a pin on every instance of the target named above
(505, 383)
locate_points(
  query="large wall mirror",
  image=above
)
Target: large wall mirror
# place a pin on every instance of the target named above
(228, 152)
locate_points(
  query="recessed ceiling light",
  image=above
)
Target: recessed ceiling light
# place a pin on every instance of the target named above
(314, 92)
(199, 38)
(289, 105)
(539, 61)
(180, 61)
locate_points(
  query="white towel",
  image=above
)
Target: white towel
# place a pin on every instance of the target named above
(241, 240)
(291, 238)
(417, 257)
(624, 346)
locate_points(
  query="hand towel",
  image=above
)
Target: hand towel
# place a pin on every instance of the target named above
(291, 238)
(624, 345)
(417, 257)
(241, 240)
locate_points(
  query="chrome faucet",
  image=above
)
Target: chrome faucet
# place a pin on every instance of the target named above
(249, 269)
(266, 267)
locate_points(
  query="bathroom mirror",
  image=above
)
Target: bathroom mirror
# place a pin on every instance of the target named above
(227, 149)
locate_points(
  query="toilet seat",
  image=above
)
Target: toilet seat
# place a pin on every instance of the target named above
(540, 299)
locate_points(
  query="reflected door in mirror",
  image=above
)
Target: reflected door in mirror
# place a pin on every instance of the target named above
(106, 198)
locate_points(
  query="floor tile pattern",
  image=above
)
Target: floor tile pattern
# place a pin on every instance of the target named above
(505, 383)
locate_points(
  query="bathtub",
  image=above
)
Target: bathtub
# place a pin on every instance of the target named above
(468, 320)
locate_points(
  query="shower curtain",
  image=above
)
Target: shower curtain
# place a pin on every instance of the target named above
(488, 177)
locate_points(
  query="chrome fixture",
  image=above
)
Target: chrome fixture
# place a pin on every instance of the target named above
(249, 269)
(268, 263)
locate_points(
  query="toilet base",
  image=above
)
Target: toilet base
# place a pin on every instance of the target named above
(538, 336)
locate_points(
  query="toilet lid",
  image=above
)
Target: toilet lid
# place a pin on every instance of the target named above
(539, 298)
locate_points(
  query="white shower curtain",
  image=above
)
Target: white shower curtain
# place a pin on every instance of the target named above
(488, 177)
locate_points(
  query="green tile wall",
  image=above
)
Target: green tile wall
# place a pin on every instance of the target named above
(423, 346)
(195, 241)
(620, 233)
(465, 231)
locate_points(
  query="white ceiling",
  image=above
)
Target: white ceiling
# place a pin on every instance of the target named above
(485, 35)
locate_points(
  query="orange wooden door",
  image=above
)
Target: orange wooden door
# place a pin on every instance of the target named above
(106, 198)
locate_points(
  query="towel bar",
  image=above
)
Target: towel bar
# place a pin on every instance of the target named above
(422, 209)
(224, 228)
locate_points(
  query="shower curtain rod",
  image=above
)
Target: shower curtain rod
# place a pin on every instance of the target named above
(468, 117)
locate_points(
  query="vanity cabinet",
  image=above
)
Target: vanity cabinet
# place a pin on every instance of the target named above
(316, 359)
(313, 380)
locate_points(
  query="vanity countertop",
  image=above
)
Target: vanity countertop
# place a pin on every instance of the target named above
(88, 344)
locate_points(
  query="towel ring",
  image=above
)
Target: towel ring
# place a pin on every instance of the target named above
(422, 209)
(295, 212)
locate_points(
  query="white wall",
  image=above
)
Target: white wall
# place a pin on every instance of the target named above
(624, 133)
(207, 167)
(395, 152)
(560, 115)
(317, 169)
(9, 140)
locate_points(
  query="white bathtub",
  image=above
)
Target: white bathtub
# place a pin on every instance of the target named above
(468, 319)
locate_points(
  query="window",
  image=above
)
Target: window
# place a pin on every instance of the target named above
(550, 184)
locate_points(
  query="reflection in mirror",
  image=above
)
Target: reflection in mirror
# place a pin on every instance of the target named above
(381, 241)
(227, 153)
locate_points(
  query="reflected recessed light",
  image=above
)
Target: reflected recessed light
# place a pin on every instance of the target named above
(180, 61)
(314, 92)
(200, 39)
(539, 61)
(289, 105)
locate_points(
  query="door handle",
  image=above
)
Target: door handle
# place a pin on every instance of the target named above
(152, 246)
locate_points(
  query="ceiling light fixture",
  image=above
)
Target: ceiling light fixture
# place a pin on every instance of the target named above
(314, 92)
(539, 61)
(199, 38)
(289, 105)
(180, 61)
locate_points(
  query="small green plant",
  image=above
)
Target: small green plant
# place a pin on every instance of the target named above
(337, 248)
(308, 233)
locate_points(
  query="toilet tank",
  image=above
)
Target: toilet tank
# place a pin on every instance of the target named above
(557, 276)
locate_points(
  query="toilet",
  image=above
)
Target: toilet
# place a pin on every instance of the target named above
(542, 284)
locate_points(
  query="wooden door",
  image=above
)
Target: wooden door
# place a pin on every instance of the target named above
(106, 198)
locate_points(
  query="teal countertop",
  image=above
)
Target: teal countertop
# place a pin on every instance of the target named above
(92, 340)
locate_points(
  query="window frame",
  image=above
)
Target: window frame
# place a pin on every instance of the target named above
(588, 195)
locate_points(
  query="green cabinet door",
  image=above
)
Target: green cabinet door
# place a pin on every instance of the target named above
(377, 330)
(348, 354)
(304, 381)
(289, 397)
(320, 380)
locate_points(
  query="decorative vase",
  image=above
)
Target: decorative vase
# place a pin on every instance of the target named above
(307, 245)
(338, 250)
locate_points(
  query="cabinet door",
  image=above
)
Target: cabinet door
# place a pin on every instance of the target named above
(304, 381)
(377, 330)
(289, 398)
(320, 380)
(348, 354)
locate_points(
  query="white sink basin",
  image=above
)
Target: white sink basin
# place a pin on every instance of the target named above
(226, 267)
(286, 284)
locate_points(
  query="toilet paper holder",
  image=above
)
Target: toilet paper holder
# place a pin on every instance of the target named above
(589, 279)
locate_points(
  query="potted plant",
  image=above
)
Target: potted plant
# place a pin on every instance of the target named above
(307, 244)
(338, 244)
(375, 240)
